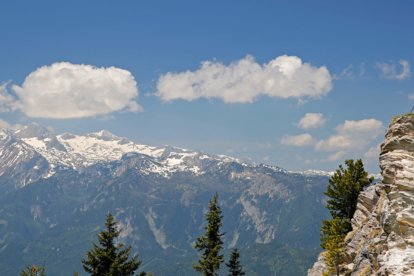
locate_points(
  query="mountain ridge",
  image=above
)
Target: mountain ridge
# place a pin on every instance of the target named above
(58, 201)
(80, 151)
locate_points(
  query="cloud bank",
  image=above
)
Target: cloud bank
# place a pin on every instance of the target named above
(64, 90)
(245, 80)
(352, 135)
(349, 137)
(300, 140)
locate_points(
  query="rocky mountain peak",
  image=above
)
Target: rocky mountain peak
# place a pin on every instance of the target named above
(34, 130)
(48, 183)
(104, 135)
(382, 238)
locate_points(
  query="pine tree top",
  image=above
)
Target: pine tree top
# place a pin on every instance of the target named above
(109, 258)
(210, 244)
(235, 268)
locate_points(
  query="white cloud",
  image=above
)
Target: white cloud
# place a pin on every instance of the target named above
(411, 97)
(334, 142)
(347, 73)
(336, 156)
(245, 80)
(352, 72)
(362, 127)
(352, 135)
(64, 90)
(373, 152)
(312, 120)
(7, 101)
(390, 71)
(300, 140)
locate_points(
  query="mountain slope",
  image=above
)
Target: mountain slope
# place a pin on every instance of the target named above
(58, 189)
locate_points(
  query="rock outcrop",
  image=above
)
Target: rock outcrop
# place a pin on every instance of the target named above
(382, 238)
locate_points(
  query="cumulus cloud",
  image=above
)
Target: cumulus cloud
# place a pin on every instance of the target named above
(336, 156)
(390, 70)
(245, 80)
(300, 140)
(373, 152)
(362, 127)
(352, 135)
(64, 90)
(335, 142)
(312, 120)
(7, 101)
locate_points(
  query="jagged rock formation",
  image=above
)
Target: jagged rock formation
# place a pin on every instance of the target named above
(382, 238)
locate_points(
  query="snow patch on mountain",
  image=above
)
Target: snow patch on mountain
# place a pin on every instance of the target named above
(79, 151)
(314, 173)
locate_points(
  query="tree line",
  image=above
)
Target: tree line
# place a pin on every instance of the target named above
(110, 258)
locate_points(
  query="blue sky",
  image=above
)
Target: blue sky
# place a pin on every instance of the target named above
(298, 84)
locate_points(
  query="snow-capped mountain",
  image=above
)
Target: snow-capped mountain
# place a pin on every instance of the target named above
(81, 151)
(56, 189)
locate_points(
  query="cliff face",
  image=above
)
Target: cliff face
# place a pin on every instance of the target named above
(382, 238)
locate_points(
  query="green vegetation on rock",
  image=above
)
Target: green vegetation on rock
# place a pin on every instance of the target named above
(343, 191)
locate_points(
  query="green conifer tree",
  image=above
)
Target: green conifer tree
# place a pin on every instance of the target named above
(109, 258)
(344, 187)
(335, 248)
(343, 191)
(235, 268)
(210, 244)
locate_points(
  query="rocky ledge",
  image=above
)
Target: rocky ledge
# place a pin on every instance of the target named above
(382, 238)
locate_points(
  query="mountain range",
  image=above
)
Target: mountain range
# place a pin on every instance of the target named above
(57, 189)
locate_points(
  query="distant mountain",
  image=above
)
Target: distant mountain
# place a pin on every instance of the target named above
(55, 191)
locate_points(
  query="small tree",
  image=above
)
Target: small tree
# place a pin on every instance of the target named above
(333, 227)
(343, 191)
(335, 246)
(33, 270)
(210, 243)
(109, 258)
(235, 269)
(344, 187)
